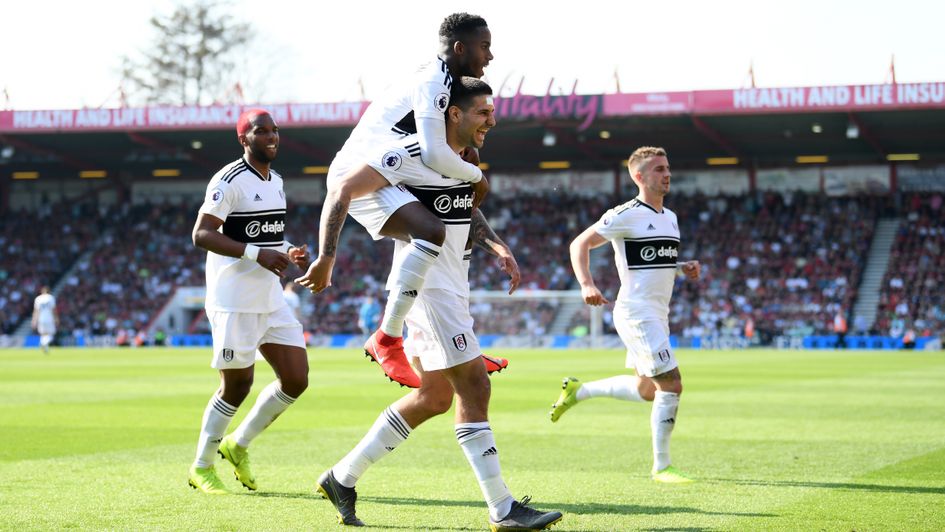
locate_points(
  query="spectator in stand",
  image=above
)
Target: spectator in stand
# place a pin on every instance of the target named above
(369, 315)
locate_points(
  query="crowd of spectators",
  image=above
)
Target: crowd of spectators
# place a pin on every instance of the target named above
(786, 262)
(913, 295)
(36, 248)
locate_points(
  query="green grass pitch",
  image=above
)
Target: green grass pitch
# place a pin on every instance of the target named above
(779, 440)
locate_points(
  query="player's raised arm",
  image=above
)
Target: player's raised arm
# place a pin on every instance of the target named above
(437, 154)
(580, 251)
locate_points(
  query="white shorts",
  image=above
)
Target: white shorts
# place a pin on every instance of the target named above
(440, 330)
(46, 327)
(398, 167)
(648, 349)
(237, 335)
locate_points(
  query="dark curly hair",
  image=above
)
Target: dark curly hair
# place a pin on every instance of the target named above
(458, 25)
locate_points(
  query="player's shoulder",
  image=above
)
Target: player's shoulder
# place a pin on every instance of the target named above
(670, 212)
(226, 176)
(434, 76)
(632, 209)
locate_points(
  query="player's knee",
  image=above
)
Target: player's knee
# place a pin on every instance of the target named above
(437, 402)
(295, 385)
(432, 232)
(234, 390)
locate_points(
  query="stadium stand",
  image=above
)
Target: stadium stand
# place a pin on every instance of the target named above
(914, 286)
(788, 261)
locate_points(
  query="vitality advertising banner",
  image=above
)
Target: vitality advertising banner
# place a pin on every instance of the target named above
(176, 117)
(582, 108)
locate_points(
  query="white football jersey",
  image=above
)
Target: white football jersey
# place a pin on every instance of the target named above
(45, 304)
(646, 246)
(451, 201)
(252, 207)
(393, 116)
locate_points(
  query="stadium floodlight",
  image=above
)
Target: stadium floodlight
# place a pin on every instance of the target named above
(811, 159)
(605, 134)
(26, 175)
(853, 130)
(196, 144)
(816, 128)
(549, 139)
(7, 152)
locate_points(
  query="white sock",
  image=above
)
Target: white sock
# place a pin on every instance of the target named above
(478, 445)
(385, 435)
(216, 418)
(662, 422)
(272, 402)
(624, 387)
(410, 267)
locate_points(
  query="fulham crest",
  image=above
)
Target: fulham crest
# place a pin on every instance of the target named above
(460, 342)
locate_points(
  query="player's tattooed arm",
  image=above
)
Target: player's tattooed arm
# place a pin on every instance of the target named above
(333, 219)
(483, 236)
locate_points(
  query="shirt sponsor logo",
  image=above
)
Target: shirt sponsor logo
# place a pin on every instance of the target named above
(649, 253)
(444, 203)
(254, 228)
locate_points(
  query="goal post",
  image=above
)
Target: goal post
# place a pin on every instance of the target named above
(532, 317)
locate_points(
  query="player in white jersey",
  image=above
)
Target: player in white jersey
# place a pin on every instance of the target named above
(441, 335)
(241, 225)
(645, 237)
(362, 182)
(45, 318)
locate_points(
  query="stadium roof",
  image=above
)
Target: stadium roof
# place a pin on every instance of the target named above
(748, 128)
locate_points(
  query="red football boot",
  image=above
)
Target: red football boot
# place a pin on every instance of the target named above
(494, 364)
(388, 351)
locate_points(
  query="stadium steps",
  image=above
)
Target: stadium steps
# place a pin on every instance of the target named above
(567, 309)
(867, 301)
(25, 328)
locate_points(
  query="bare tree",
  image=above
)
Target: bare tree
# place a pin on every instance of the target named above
(193, 60)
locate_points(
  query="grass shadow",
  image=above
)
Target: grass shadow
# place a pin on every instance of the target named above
(580, 508)
(851, 486)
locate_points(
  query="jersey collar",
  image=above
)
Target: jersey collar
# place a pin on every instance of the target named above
(253, 170)
(647, 205)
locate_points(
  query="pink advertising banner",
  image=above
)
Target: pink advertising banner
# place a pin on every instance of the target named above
(780, 100)
(176, 118)
(583, 108)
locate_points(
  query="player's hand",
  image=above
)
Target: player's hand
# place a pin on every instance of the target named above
(272, 260)
(592, 296)
(318, 276)
(300, 256)
(692, 269)
(508, 264)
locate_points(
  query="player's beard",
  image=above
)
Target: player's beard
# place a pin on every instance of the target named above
(261, 154)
